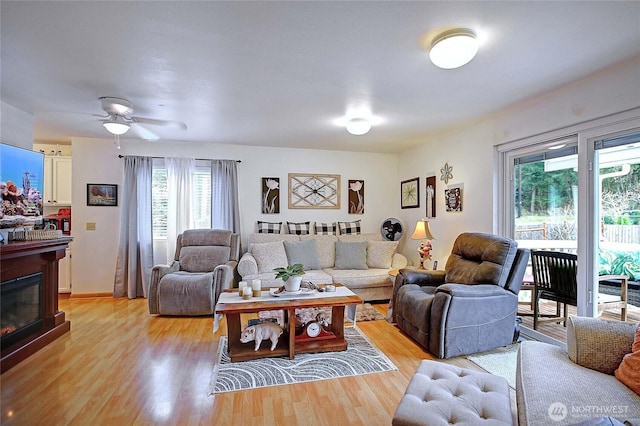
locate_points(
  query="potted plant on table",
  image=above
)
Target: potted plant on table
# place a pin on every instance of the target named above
(291, 275)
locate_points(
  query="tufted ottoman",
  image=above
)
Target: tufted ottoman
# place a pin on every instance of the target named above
(443, 394)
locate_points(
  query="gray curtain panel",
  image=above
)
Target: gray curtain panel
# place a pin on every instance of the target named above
(135, 253)
(225, 213)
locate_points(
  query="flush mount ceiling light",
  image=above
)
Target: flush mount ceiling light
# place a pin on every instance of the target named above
(358, 126)
(454, 48)
(116, 125)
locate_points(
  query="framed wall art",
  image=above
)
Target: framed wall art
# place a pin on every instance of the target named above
(431, 197)
(453, 199)
(102, 194)
(270, 195)
(356, 197)
(410, 193)
(314, 191)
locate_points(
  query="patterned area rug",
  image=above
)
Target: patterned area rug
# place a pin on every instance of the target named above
(361, 357)
(501, 362)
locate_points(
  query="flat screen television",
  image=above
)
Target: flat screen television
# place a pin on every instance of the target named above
(21, 187)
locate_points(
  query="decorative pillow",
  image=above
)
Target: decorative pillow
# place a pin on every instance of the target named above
(349, 227)
(351, 255)
(326, 228)
(302, 228)
(269, 256)
(269, 227)
(629, 370)
(380, 253)
(305, 252)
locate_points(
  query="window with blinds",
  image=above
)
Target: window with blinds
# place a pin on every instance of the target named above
(200, 202)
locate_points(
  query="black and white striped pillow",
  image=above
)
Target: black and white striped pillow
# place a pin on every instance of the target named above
(349, 228)
(301, 228)
(325, 228)
(269, 227)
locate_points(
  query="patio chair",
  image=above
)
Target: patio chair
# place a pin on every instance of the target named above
(555, 279)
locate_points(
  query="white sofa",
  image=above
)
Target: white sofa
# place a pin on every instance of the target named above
(369, 279)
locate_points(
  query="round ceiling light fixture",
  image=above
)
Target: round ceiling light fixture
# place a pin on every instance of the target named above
(358, 126)
(454, 48)
(116, 125)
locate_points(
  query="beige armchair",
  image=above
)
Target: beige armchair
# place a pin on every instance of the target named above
(205, 263)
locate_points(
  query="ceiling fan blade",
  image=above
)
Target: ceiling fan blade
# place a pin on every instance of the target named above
(144, 133)
(155, 122)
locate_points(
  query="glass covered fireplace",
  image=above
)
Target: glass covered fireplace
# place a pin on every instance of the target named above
(21, 308)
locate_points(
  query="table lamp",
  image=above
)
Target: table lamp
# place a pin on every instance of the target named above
(423, 232)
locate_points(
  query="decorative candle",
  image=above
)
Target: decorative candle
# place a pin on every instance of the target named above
(241, 285)
(246, 292)
(256, 286)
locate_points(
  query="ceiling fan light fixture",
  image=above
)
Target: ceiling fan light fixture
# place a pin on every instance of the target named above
(116, 126)
(454, 48)
(358, 126)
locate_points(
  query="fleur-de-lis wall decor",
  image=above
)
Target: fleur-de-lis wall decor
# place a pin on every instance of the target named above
(446, 173)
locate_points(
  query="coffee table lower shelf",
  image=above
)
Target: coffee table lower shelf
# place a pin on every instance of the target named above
(287, 345)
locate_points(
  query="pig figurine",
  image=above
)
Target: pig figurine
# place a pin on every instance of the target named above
(260, 332)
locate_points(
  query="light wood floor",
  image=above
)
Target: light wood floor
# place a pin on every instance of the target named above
(119, 365)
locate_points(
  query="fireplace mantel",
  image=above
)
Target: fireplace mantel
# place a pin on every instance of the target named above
(22, 258)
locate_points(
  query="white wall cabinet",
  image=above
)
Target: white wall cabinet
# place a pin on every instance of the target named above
(57, 181)
(64, 273)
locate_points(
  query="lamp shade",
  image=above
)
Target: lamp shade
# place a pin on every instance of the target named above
(422, 231)
(454, 48)
(358, 126)
(116, 126)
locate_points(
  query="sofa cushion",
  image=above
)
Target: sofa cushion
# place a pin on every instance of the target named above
(269, 255)
(304, 252)
(380, 253)
(299, 228)
(326, 228)
(373, 236)
(629, 370)
(326, 247)
(351, 255)
(269, 227)
(347, 228)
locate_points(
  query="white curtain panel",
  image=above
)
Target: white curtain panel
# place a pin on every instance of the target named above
(225, 213)
(135, 252)
(179, 190)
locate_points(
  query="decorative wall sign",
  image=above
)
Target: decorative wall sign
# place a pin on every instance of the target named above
(431, 197)
(446, 173)
(314, 191)
(410, 193)
(453, 199)
(270, 195)
(391, 229)
(356, 196)
(102, 194)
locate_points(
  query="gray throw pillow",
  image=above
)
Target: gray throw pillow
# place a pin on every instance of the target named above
(351, 255)
(304, 252)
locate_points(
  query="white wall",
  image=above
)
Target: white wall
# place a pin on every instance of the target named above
(96, 161)
(469, 148)
(16, 126)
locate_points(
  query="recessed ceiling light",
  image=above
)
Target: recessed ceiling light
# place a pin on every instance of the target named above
(358, 126)
(454, 48)
(562, 145)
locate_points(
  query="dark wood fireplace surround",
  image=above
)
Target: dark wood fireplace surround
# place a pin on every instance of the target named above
(19, 259)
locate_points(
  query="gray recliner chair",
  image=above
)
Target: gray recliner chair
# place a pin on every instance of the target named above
(205, 263)
(469, 307)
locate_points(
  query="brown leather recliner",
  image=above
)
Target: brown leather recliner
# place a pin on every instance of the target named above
(469, 307)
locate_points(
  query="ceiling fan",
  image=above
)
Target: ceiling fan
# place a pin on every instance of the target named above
(119, 118)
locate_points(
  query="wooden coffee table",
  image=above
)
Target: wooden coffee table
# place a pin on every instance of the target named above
(232, 306)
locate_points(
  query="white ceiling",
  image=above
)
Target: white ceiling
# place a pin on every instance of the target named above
(281, 73)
